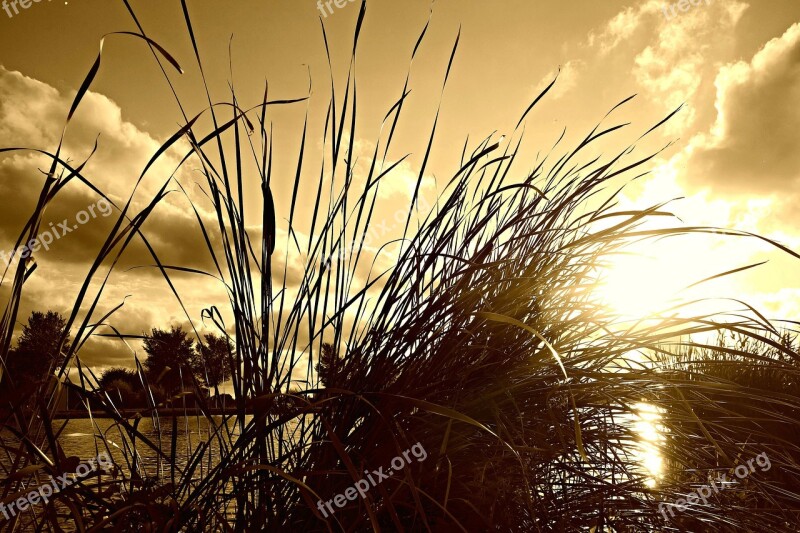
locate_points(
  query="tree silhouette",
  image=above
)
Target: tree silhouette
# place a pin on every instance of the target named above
(124, 384)
(212, 361)
(37, 355)
(120, 375)
(171, 358)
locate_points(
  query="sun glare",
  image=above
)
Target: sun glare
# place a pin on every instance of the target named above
(638, 285)
(648, 428)
(652, 276)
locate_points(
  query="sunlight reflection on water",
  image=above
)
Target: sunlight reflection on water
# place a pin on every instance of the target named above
(651, 437)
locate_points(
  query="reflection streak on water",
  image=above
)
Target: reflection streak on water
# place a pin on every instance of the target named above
(651, 437)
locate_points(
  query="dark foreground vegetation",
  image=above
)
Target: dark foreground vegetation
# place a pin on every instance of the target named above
(485, 342)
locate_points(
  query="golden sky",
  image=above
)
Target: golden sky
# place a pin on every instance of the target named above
(733, 64)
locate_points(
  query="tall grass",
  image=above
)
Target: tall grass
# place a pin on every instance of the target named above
(486, 342)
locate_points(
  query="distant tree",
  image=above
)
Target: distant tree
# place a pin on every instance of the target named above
(37, 354)
(124, 385)
(213, 359)
(119, 374)
(171, 358)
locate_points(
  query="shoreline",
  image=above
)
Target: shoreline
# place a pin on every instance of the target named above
(131, 413)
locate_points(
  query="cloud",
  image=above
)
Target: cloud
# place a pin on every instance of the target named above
(32, 115)
(568, 75)
(622, 26)
(32, 118)
(671, 56)
(752, 146)
(674, 66)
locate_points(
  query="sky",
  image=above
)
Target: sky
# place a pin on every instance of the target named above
(732, 66)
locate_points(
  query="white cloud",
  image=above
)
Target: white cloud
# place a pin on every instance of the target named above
(622, 26)
(671, 56)
(752, 146)
(567, 79)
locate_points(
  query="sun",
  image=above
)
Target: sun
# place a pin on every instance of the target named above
(652, 277)
(636, 286)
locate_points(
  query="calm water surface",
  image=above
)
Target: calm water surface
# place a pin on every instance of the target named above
(84, 438)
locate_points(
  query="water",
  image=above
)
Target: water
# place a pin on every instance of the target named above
(82, 435)
(86, 438)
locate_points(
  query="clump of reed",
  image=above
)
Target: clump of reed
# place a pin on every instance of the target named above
(486, 343)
